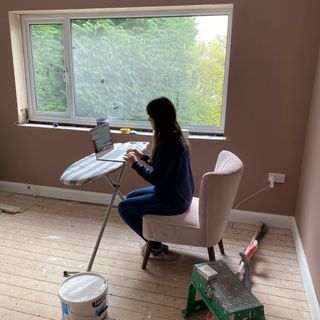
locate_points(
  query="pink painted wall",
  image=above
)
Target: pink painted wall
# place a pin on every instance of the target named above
(308, 204)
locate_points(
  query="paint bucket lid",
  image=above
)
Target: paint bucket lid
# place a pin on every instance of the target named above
(82, 287)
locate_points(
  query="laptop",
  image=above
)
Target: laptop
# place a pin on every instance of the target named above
(104, 148)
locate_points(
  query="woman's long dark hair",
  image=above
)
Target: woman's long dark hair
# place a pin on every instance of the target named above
(163, 112)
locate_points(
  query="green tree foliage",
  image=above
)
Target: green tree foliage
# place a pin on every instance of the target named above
(121, 64)
(207, 74)
(134, 61)
(48, 66)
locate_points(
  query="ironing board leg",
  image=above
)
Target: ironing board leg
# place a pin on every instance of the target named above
(112, 184)
(116, 190)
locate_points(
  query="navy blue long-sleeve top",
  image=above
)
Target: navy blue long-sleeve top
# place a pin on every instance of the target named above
(170, 172)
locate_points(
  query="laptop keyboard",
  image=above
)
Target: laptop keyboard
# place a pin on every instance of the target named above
(115, 153)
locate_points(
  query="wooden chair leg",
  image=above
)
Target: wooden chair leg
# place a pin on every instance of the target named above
(221, 246)
(211, 254)
(146, 254)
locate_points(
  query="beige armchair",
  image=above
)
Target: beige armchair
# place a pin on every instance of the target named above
(204, 223)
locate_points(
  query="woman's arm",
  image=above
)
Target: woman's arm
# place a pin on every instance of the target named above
(162, 165)
(146, 158)
(132, 155)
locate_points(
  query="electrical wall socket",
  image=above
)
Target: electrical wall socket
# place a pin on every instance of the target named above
(278, 177)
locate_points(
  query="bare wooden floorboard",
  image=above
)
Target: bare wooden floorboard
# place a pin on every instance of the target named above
(110, 248)
(70, 231)
(54, 235)
(6, 314)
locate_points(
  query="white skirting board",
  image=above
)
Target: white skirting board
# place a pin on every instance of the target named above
(58, 193)
(272, 220)
(305, 273)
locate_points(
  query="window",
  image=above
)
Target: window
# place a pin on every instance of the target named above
(86, 66)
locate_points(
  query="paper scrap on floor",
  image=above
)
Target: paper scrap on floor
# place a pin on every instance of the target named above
(10, 209)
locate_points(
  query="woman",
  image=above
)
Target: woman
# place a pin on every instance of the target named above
(168, 170)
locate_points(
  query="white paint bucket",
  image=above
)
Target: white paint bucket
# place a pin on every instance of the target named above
(83, 296)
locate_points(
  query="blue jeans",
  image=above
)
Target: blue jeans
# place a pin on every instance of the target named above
(144, 201)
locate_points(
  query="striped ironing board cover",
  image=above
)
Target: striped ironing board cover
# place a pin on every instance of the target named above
(87, 170)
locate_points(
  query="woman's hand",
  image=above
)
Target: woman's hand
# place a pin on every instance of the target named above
(130, 156)
(135, 151)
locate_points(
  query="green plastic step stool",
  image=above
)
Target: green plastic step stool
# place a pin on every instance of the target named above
(223, 294)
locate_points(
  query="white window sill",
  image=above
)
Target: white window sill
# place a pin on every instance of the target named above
(139, 133)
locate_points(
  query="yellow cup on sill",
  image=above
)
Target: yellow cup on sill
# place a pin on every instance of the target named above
(125, 130)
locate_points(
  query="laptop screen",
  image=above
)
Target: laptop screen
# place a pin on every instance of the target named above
(101, 138)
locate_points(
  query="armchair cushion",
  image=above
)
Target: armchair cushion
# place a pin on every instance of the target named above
(176, 228)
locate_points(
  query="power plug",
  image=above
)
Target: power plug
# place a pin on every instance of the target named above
(276, 178)
(271, 181)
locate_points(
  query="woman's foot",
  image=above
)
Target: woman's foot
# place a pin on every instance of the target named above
(157, 254)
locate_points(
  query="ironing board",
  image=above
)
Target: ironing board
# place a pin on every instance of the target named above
(89, 169)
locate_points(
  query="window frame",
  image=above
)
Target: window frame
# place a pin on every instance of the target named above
(65, 18)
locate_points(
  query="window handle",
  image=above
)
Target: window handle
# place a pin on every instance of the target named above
(65, 75)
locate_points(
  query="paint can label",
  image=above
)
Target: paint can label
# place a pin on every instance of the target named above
(65, 311)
